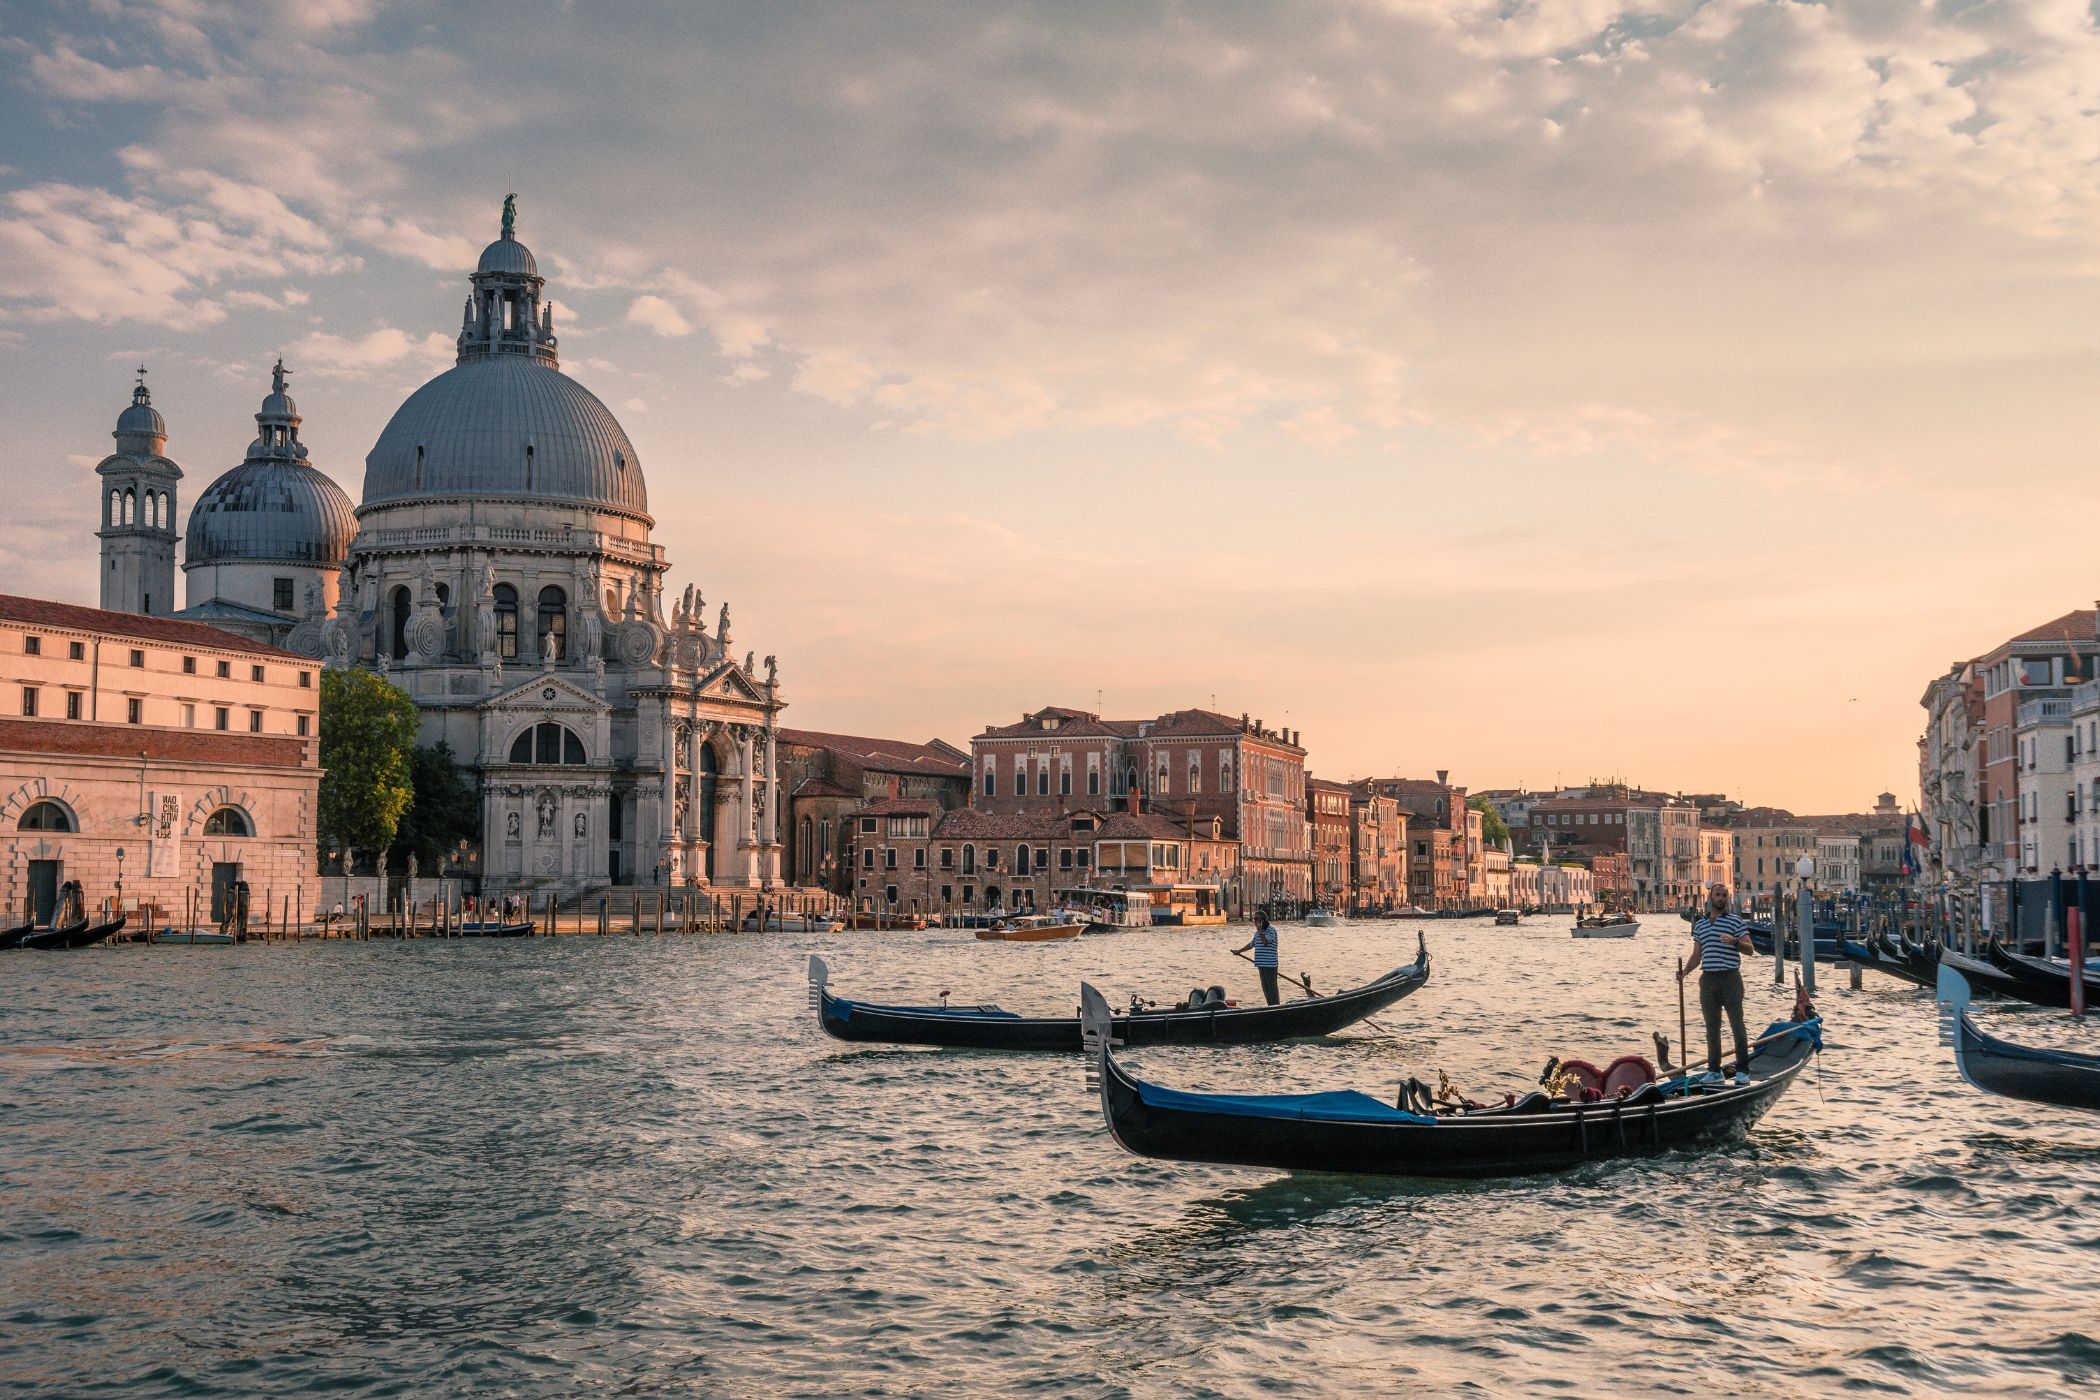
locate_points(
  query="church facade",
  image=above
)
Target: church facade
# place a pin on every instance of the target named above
(499, 570)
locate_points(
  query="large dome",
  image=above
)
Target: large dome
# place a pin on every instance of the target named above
(269, 511)
(507, 426)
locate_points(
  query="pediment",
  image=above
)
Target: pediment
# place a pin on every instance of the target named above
(728, 682)
(545, 694)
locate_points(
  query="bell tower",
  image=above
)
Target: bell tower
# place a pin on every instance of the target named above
(137, 483)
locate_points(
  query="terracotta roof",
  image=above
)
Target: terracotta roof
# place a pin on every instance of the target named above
(969, 824)
(1150, 826)
(1072, 724)
(899, 807)
(42, 612)
(1313, 784)
(821, 787)
(885, 755)
(2078, 625)
(44, 736)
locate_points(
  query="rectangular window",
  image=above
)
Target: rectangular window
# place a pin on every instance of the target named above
(1042, 781)
(225, 717)
(889, 857)
(29, 700)
(255, 721)
(134, 711)
(281, 594)
(867, 826)
(77, 650)
(947, 859)
(991, 783)
(1064, 782)
(306, 680)
(72, 704)
(255, 673)
(918, 858)
(138, 659)
(189, 665)
(303, 730)
(225, 670)
(1064, 859)
(1083, 857)
(867, 859)
(1093, 782)
(189, 716)
(32, 646)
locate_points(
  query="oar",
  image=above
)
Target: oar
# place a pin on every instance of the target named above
(1304, 981)
(1683, 1027)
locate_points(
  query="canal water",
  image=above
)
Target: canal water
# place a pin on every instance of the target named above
(634, 1165)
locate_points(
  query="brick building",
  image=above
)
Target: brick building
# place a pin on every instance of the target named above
(1377, 849)
(1328, 808)
(831, 777)
(1191, 766)
(1437, 833)
(192, 751)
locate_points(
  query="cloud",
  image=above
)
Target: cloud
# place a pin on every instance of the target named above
(332, 356)
(658, 315)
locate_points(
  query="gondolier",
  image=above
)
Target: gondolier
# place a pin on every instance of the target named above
(1719, 940)
(1263, 945)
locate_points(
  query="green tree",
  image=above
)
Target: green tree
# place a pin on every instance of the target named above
(368, 731)
(1491, 828)
(444, 811)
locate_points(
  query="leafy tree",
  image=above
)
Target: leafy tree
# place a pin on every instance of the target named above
(444, 812)
(1491, 828)
(368, 730)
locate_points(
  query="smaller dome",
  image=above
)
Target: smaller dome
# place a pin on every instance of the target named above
(141, 416)
(280, 512)
(507, 254)
(278, 405)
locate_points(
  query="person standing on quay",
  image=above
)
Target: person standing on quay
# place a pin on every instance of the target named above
(1719, 940)
(1264, 945)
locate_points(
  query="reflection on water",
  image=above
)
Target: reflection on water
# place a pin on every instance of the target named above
(579, 1165)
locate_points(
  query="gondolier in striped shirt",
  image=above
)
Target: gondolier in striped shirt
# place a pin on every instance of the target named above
(1719, 940)
(1263, 944)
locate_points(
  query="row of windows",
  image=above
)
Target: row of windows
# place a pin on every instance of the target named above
(157, 511)
(50, 816)
(547, 742)
(33, 645)
(1025, 858)
(551, 631)
(135, 712)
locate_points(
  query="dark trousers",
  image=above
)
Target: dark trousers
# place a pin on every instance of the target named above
(1718, 992)
(1268, 988)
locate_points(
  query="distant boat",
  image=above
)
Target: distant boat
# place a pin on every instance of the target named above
(1108, 911)
(1506, 917)
(75, 935)
(1606, 926)
(491, 928)
(1322, 918)
(210, 936)
(791, 923)
(1033, 928)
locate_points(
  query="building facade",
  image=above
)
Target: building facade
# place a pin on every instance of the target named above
(830, 777)
(153, 760)
(1327, 811)
(1377, 850)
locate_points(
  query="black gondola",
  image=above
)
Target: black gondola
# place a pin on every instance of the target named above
(1980, 974)
(1872, 955)
(486, 928)
(2062, 1078)
(76, 935)
(2039, 980)
(11, 937)
(1347, 1131)
(1214, 1023)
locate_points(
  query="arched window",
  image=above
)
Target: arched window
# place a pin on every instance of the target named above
(228, 821)
(969, 860)
(1021, 859)
(1163, 788)
(400, 644)
(547, 742)
(46, 816)
(1130, 779)
(116, 508)
(131, 506)
(506, 622)
(1225, 771)
(1195, 775)
(553, 630)
(807, 865)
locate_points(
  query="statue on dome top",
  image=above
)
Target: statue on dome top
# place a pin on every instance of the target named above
(510, 215)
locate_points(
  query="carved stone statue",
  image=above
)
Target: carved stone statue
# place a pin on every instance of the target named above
(581, 826)
(722, 629)
(772, 672)
(510, 216)
(750, 663)
(485, 615)
(511, 826)
(546, 810)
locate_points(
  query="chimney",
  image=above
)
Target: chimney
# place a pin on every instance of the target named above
(1443, 776)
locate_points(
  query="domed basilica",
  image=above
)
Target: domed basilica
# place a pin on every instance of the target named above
(499, 570)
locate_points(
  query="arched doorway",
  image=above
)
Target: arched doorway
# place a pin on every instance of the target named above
(704, 799)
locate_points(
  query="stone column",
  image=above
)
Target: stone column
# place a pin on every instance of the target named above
(666, 834)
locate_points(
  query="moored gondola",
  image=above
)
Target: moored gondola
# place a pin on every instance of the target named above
(2062, 1078)
(1981, 975)
(75, 935)
(490, 928)
(1212, 1022)
(1348, 1131)
(2038, 980)
(12, 937)
(1871, 955)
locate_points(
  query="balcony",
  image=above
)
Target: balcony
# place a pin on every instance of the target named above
(2042, 712)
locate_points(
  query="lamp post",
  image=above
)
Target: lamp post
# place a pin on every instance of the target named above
(1805, 868)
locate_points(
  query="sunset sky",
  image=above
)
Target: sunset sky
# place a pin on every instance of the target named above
(1534, 391)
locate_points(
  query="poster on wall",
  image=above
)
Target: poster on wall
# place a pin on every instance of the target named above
(164, 834)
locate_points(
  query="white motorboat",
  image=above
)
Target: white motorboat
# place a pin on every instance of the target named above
(1322, 918)
(1606, 926)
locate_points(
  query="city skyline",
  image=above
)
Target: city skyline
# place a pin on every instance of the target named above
(1539, 398)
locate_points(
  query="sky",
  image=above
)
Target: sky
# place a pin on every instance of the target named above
(1536, 391)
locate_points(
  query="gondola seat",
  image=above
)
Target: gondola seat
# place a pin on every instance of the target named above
(1648, 1093)
(1333, 1106)
(1627, 1073)
(1533, 1102)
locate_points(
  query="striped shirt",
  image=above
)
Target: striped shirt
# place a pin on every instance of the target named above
(1716, 940)
(1265, 947)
